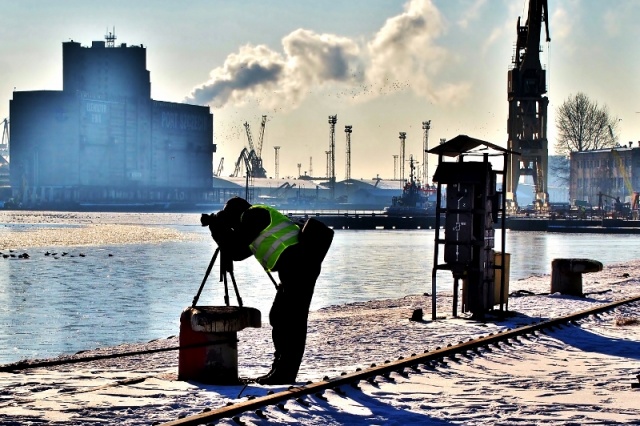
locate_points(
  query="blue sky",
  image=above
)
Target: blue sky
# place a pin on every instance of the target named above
(365, 60)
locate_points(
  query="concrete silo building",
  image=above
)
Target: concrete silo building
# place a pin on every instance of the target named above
(102, 140)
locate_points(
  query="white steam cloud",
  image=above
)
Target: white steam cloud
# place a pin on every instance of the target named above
(402, 56)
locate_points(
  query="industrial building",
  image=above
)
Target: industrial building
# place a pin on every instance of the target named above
(605, 176)
(103, 140)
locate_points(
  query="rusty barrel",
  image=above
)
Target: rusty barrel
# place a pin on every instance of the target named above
(209, 342)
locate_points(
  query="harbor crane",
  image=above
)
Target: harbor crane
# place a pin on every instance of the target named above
(4, 142)
(527, 123)
(219, 170)
(253, 154)
(245, 160)
(261, 138)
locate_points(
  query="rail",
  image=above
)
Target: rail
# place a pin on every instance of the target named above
(413, 362)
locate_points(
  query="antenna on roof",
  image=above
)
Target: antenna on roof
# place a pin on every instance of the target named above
(110, 37)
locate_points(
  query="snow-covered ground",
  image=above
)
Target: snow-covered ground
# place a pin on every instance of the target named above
(578, 374)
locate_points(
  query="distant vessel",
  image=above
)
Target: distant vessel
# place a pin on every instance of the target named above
(416, 199)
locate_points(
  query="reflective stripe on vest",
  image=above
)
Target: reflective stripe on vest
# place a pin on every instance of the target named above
(274, 239)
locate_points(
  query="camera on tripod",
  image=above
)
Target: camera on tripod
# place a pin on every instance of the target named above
(218, 226)
(219, 229)
(209, 219)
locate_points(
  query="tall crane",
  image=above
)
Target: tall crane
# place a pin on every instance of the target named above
(244, 159)
(261, 137)
(255, 161)
(219, 171)
(527, 123)
(4, 142)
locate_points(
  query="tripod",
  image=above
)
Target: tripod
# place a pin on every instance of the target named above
(224, 274)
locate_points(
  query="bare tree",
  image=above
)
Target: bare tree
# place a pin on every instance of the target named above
(559, 171)
(584, 125)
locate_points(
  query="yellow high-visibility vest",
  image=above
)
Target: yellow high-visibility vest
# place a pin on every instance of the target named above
(274, 239)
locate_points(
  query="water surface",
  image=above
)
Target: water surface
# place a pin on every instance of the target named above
(126, 277)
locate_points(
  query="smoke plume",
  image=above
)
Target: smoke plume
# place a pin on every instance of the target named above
(402, 56)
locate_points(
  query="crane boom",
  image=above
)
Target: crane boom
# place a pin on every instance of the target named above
(256, 170)
(4, 142)
(529, 35)
(261, 137)
(527, 123)
(219, 171)
(5, 132)
(249, 138)
(243, 158)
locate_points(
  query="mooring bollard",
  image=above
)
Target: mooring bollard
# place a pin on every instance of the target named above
(209, 342)
(566, 274)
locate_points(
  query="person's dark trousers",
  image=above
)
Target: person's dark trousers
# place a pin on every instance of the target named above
(289, 313)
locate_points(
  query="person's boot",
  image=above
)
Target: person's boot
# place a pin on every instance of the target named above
(280, 374)
(276, 377)
(273, 369)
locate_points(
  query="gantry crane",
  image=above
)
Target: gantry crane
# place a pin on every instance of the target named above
(527, 123)
(253, 154)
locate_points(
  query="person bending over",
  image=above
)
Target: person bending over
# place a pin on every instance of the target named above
(296, 252)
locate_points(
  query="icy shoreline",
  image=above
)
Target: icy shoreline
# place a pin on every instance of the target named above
(143, 389)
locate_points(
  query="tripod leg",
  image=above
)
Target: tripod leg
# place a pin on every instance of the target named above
(272, 280)
(206, 275)
(235, 287)
(226, 289)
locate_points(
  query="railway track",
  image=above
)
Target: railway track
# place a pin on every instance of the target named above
(402, 366)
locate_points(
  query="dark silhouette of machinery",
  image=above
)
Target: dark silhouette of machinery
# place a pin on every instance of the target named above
(619, 209)
(281, 191)
(527, 123)
(472, 206)
(635, 206)
(251, 157)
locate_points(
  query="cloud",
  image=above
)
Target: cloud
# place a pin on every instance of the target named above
(251, 68)
(404, 53)
(472, 13)
(309, 60)
(402, 56)
(561, 22)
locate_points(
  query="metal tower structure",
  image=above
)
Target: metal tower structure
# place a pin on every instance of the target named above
(328, 153)
(347, 172)
(403, 140)
(310, 166)
(299, 169)
(527, 124)
(426, 125)
(110, 38)
(333, 119)
(277, 161)
(395, 166)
